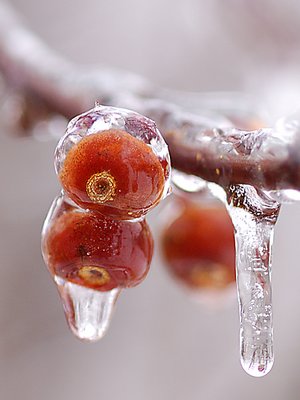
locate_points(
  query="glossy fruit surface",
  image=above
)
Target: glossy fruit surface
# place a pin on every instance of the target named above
(91, 250)
(114, 173)
(114, 161)
(198, 246)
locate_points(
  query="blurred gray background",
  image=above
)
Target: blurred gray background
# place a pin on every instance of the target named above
(161, 345)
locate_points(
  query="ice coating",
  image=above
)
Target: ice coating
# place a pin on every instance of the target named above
(87, 311)
(93, 251)
(187, 183)
(65, 75)
(172, 119)
(114, 166)
(91, 266)
(266, 157)
(113, 161)
(102, 118)
(68, 90)
(227, 155)
(261, 156)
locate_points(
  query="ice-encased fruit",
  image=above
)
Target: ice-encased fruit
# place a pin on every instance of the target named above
(113, 161)
(198, 246)
(88, 249)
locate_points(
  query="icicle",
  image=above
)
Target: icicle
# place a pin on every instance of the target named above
(254, 215)
(87, 311)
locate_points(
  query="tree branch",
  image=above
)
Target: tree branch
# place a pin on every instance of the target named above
(208, 148)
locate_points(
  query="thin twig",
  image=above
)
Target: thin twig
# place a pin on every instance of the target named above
(224, 155)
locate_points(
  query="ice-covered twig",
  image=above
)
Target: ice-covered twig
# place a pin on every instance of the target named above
(207, 147)
(28, 64)
(222, 156)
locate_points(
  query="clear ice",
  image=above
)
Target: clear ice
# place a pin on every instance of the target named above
(102, 118)
(254, 214)
(187, 183)
(87, 311)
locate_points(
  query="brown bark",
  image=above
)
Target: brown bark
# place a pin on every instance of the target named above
(64, 89)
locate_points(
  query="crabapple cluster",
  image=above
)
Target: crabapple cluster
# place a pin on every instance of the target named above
(114, 167)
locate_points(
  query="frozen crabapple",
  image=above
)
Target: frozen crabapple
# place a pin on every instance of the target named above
(113, 161)
(198, 245)
(94, 251)
(114, 166)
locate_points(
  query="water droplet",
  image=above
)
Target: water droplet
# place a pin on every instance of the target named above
(87, 311)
